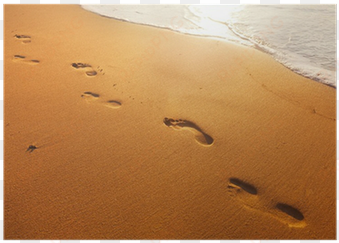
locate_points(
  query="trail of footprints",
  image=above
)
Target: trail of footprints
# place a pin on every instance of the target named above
(200, 136)
(249, 196)
(240, 190)
(25, 39)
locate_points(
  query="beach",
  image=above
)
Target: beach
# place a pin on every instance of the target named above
(116, 130)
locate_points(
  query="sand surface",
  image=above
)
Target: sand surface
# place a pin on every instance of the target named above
(120, 131)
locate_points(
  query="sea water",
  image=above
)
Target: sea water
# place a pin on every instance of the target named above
(301, 37)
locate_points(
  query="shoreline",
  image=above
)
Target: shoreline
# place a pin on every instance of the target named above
(115, 130)
(250, 44)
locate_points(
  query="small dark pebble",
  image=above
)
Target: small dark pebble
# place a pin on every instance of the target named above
(31, 148)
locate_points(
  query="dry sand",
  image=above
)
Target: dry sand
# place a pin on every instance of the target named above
(160, 136)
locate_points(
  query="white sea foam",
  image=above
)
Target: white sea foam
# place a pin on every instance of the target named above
(301, 37)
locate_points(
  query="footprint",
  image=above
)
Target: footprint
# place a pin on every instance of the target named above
(201, 137)
(93, 97)
(113, 104)
(248, 195)
(90, 97)
(88, 68)
(20, 58)
(24, 38)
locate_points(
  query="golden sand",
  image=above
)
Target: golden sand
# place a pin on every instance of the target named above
(121, 131)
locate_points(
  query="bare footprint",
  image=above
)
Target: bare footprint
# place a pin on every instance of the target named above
(89, 71)
(248, 195)
(94, 97)
(24, 38)
(201, 137)
(22, 59)
(90, 97)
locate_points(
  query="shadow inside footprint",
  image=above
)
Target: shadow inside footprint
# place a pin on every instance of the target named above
(19, 57)
(113, 104)
(243, 185)
(91, 73)
(200, 136)
(293, 212)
